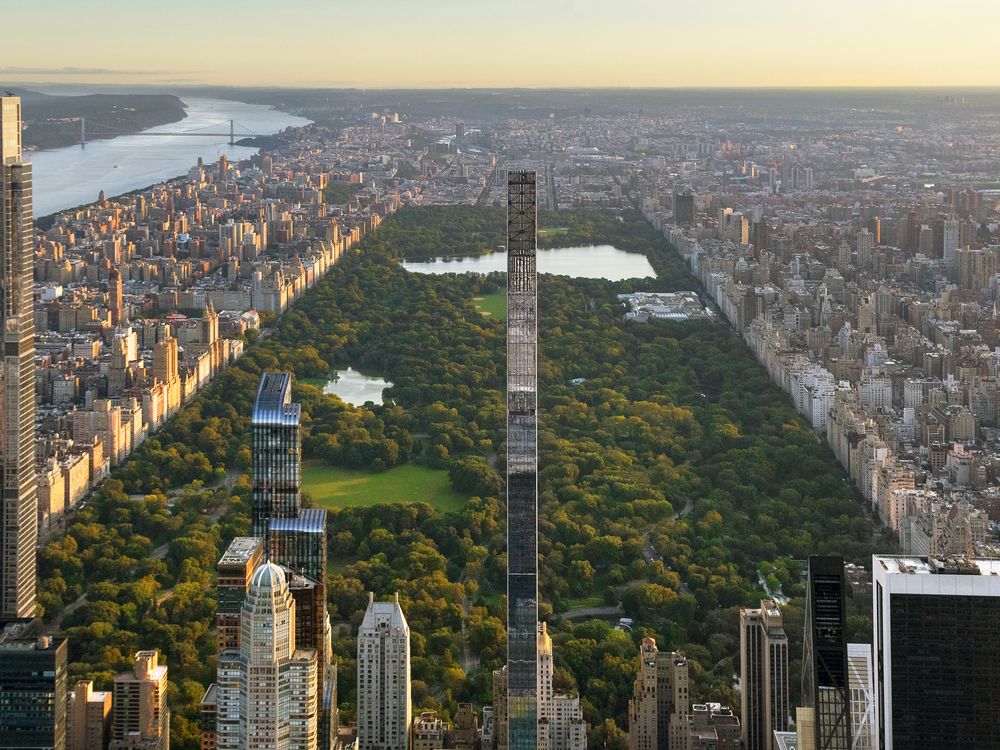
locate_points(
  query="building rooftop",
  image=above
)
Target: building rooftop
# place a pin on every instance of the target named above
(274, 401)
(240, 551)
(911, 565)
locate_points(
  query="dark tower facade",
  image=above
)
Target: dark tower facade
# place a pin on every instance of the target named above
(824, 665)
(277, 454)
(522, 463)
(19, 511)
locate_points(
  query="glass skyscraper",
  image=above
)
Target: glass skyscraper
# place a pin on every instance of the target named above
(277, 453)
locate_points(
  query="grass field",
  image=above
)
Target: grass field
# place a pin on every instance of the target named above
(494, 305)
(337, 487)
(553, 231)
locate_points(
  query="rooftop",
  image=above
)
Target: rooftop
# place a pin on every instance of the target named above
(911, 565)
(240, 550)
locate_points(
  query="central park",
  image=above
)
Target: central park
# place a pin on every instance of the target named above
(658, 435)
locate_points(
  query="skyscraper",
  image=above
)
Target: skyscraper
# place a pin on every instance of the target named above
(659, 713)
(383, 701)
(935, 653)
(763, 675)
(277, 453)
(859, 664)
(266, 690)
(140, 715)
(522, 463)
(115, 296)
(33, 694)
(560, 718)
(19, 512)
(233, 574)
(824, 664)
(88, 718)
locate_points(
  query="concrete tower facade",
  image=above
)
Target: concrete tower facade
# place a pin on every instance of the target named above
(522, 463)
(383, 702)
(19, 509)
(763, 675)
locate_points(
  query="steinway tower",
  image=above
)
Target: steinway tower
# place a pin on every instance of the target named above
(522, 463)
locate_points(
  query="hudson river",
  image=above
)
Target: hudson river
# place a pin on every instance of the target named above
(71, 176)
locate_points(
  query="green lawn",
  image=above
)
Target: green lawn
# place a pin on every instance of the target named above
(553, 230)
(494, 305)
(337, 487)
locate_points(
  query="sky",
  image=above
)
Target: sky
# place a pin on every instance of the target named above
(503, 43)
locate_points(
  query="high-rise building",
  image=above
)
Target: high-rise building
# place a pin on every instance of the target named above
(824, 665)
(864, 735)
(684, 207)
(383, 699)
(19, 511)
(522, 463)
(277, 453)
(233, 573)
(88, 718)
(115, 296)
(763, 675)
(140, 715)
(33, 694)
(950, 240)
(715, 727)
(866, 244)
(560, 718)
(935, 654)
(659, 713)
(299, 543)
(266, 691)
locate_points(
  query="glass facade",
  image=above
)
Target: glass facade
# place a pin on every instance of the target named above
(300, 543)
(522, 463)
(945, 672)
(33, 691)
(277, 453)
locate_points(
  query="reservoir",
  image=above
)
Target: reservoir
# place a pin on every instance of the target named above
(71, 176)
(590, 262)
(355, 388)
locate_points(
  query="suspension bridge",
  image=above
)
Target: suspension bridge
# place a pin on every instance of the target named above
(226, 129)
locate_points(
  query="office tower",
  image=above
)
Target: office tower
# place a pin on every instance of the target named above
(684, 207)
(865, 247)
(560, 718)
(950, 240)
(864, 735)
(88, 718)
(809, 178)
(19, 512)
(935, 653)
(33, 694)
(299, 543)
(140, 715)
(115, 296)
(383, 700)
(522, 463)
(266, 689)
(233, 573)
(763, 675)
(824, 664)
(277, 453)
(659, 710)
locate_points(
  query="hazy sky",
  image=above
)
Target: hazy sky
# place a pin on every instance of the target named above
(385, 43)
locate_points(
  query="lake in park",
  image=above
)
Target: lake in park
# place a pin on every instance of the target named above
(355, 388)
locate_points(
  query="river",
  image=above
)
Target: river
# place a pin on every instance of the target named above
(71, 176)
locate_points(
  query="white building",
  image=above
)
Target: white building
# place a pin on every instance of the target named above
(267, 689)
(383, 702)
(560, 719)
(859, 681)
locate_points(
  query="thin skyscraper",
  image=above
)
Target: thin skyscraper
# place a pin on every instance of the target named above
(19, 513)
(277, 454)
(522, 462)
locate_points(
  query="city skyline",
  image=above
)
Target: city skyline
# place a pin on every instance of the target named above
(635, 43)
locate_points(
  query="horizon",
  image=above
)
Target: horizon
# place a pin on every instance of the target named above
(445, 44)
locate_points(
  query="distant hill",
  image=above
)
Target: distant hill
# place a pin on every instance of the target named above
(54, 121)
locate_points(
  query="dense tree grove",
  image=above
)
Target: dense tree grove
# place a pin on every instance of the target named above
(672, 475)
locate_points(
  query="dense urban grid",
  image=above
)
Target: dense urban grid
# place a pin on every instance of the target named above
(854, 248)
